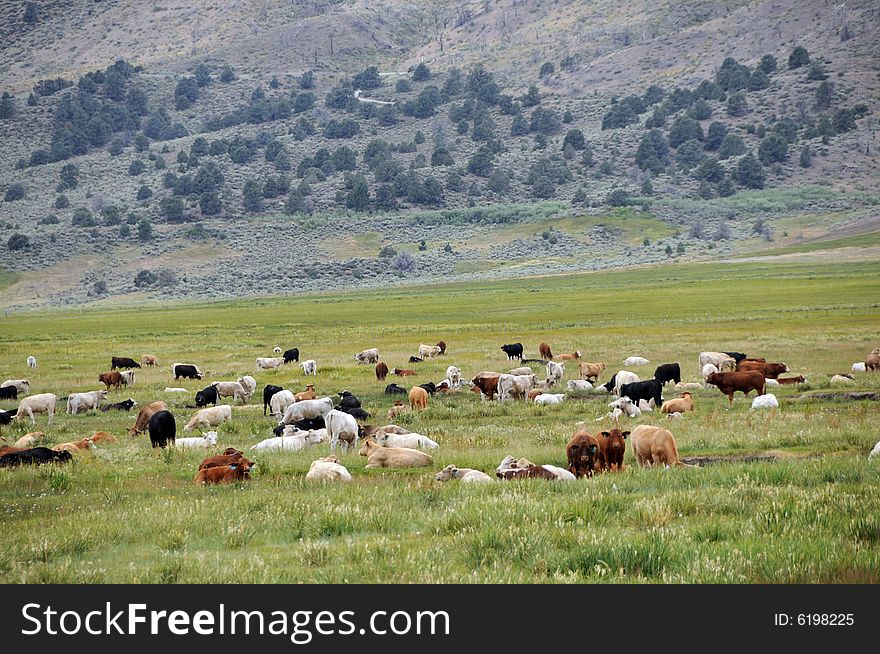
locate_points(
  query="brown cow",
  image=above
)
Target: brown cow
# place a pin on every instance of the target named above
(308, 394)
(590, 370)
(236, 471)
(545, 351)
(731, 382)
(530, 472)
(569, 357)
(144, 415)
(800, 379)
(486, 383)
(872, 362)
(110, 379)
(613, 446)
(9, 449)
(149, 360)
(230, 455)
(102, 437)
(381, 371)
(584, 454)
(442, 346)
(770, 370)
(400, 372)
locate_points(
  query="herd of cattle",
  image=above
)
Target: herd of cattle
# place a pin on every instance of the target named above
(304, 419)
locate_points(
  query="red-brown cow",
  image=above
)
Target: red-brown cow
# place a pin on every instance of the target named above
(745, 382)
(770, 370)
(613, 446)
(381, 371)
(110, 379)
(230, 455)
(236, 471)
(486, 383)
(584, 454)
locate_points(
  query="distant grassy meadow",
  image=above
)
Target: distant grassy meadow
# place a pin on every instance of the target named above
(128, 513)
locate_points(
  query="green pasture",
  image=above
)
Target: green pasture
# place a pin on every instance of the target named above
(128, 513)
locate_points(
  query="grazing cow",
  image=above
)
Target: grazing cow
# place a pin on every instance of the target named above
(209, 417)
(555, 372)
(207, 440)
(394, 389)
(442, 346)
(410, 440)
(279, 402)
(428, 351)
(418, 398)
(770, 370)
(143, 417)
(249, 384)
(515, 387)
(367, 356)
(268, 392)
(8, 393)
(513, 351)
(613, 446)
(6, 417)
(31, 362)
(34, 456)
(185, 371)
(77, 402)
(668, 372)
(289, 441)
(800, 379)
(123, 362)
(342, 427)
(128, 377)
(611, 385)
(635, 361)
(745, 382)
(231, 389)
(307, 409)
(393, 457)
(545, 351)
(149, 360)
(207, 396)
(679, 404)
(654, 445)
(291, 355)
(464, 475)
(163, 428)
(269, 363)
(328, 468)
(381, 371)
(767, 401)
(125, 405)
(650, 389)
(415, 359)
(22, 385)
(230, 455)
(736, 356)
(718, 359)
(309, 367)
(623, 377)
(486, 383)
(400, 372)
(550, 398)
(590, 370)
(583, 453)
(110, 379)
(872, 362)
(570, 357)
(453, 374)
(579, 385)
(239, 470)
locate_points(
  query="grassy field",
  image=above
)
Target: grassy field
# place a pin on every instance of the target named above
(128, 513)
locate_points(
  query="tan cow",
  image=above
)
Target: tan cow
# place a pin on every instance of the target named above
(679, 404)
(654, 445)
(143, 418)
(393, 457)
(418, 398)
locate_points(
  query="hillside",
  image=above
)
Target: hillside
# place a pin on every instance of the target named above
(239, 148)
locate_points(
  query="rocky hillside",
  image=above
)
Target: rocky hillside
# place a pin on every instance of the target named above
(222, 149)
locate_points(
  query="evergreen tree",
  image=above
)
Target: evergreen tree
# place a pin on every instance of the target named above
(750, 173)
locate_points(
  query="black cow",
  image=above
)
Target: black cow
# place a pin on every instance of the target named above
(291, 355)
(348, 401)
(431, 387)
(123, 362)
(186, 371)
(394, 389)
(355, 411)
(609, 385)
(9, 393)
(738, 356)
(305, 424)
(7, 416)
(34, 456)
(513, 351)
(163, 428)
(125, 405)
(206, 396)
(667, 372)
(650, 389)
(415, 359)
(268, 392)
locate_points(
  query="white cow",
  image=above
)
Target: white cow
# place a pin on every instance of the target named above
(842, 379)
(515, 386)
(367, 356)
(708, 369)
(465, 475)
(23, 385)
(40, 403)
(249, 384)
(767, 401)
(626, 407)
(561, 473)
(209, 439)
(550, 398)
(428, 351)
(579, 385)
(231, 389)
(127, 377)
(875, 451)
(555, 372)
(77, 402)
(859, 366)
(309, 367)
(341, 427)
(412, 440)
(175, 389)
(624, 377)
(292, 443)
(32, 362)
(210, 417)
(269, 363)
(307, 409)
(771, 382)
(453, 374)
(328, 468)
(718, 359)
(280, 401)
(635, 361)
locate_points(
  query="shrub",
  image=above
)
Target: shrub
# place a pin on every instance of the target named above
(574, 138)
(731, 146)
(144, 193)
(806, 159)
(700, 110)
(14, 192)
(403, 262)
(252, 196)
(172, 209)
(798, 57)
(684, 129)
(421, 73)
(773, 149)
(816, 72)
(441, 157)
(653, 152)
(62, 202)
(227, 74)
(137, 167)
(144, 229)
(715, 135)
(82, 217)
(750, 173)
(145, 278)
(618, 198)
(689, 154)
(186, 93)
(768, 64)
(18, 242)
(737, 105)
(547, 68)
(481, 162)
(387, 252)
